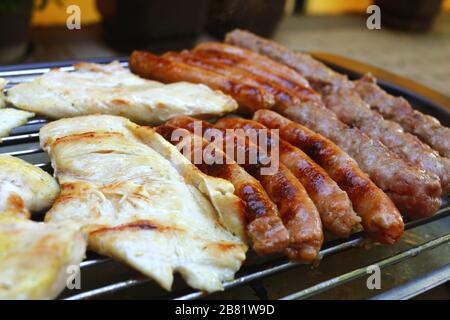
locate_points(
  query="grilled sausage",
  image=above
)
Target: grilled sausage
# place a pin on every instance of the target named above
(427, 128)
(264, 226)
(162, 69)
(314, 71)
(380, 217)
(256, 64)
(296, 209)
(343, 99)
(234, 74)
(332, 203)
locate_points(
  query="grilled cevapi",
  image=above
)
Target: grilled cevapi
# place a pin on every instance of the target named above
(427, 128)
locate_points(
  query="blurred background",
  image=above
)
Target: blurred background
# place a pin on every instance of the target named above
(414, 39)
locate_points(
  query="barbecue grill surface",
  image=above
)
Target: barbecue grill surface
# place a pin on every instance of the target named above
(423, 252)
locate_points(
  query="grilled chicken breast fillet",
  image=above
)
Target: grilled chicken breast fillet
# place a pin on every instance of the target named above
(34, 256)
(10, 118)
(142, 202)
(112, 89)
(24, 187)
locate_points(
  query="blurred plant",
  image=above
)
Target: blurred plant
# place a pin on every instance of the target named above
(24, 5)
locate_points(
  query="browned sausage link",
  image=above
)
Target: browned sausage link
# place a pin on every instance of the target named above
(414, 192)
(427, 128)
(281, 95)
(298, 213)
(380, 217)
(333, 204)
(314, 71)
(256, 64)
(162, 69)
(296, 209)
(264, 227)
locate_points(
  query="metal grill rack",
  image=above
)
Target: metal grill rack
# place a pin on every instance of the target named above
(104, 278)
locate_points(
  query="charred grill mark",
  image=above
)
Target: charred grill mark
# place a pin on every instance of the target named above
(284, 195)
(86, 136)
(136, 226)
(224, 246)
(352, 183)
(256, 205)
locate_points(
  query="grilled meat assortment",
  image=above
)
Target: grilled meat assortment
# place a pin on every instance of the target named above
(320, 152)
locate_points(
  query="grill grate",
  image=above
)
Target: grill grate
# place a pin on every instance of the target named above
(24, 143)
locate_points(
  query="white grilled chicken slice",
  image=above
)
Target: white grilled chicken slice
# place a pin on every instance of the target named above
(3, 83)
(34, 256)
(10, 118)
(156, 214)
(112, 89)
(24, 187)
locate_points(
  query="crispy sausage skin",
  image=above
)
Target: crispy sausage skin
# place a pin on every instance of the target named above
(264, 227)
(380, 217)
(234, 74)
(165, 70)
(334, 206)
(256, 64)
(296, 209)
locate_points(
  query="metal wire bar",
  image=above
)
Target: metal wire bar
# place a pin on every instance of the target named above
(36, 121)
(24, 152)
(417, 286)
(107, 289)
(21, 138)
(242, 280)
(342, 279)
